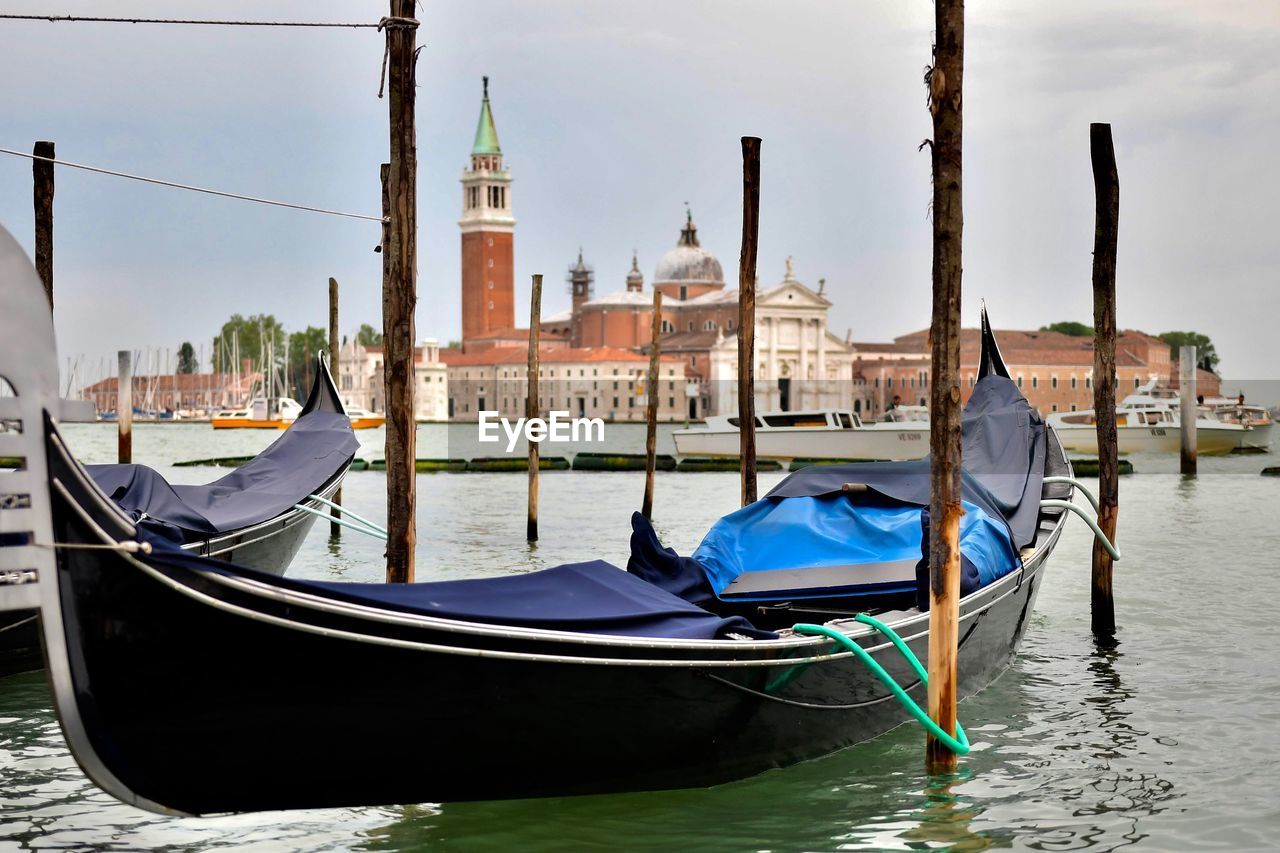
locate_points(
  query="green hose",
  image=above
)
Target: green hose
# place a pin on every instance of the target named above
(958, 744)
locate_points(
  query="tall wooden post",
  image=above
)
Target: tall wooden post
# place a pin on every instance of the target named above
(400, 294)
(945, 89)
(651, 436)
(747, 315)
(1188, 409)
(531, 405)
(42, 183)
(1106, 231)
(124, 408)
(335, 529)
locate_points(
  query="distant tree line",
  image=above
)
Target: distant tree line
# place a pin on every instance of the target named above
(1206, 355)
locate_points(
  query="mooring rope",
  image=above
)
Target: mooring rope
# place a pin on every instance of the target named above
(959, 744)
(358, 528)
(372, 525)
(206, 190)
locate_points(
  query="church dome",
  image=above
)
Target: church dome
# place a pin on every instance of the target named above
(688, 262)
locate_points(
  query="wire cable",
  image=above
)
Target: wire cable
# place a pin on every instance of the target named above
(101, 20)
(206, 190)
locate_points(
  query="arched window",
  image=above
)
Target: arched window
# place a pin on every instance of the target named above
(1053, 382)
(1035, 381)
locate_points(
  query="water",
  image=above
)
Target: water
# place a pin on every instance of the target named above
(1164, 741)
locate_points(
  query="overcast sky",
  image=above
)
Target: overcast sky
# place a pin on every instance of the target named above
(613, 115)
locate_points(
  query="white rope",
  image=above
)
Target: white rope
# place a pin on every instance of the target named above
(206, 190)
(372, 525)
(126, 547)
(358, 528)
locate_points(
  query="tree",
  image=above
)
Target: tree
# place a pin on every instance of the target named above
(368, 336)
(253, 337)
(187, 361)
(1069, 327)
(303, 347)
(1206, 355)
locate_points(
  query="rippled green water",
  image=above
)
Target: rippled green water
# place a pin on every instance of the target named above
(1165, 741)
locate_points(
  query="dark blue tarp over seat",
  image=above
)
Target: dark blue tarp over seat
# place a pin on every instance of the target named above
(300, 461)
(589, 598)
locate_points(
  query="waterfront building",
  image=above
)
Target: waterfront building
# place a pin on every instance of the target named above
(588, 382)
(1054, 371)
(192, 393)
(362, 383)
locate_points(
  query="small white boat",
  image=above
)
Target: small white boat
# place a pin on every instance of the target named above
(817, 434)
(1256, 420)
(1147, 421)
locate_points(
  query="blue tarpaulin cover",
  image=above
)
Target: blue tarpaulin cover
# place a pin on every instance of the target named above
(809, 521)
(305, 457)
(831, 530)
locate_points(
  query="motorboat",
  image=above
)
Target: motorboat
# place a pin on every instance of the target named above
(903, 433)
(578, 679)
(1256, 420)
(1147, 421)
(260, 413)
(365, 419)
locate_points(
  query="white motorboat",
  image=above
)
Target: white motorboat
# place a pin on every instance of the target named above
(816, 434)
(1147, 421)
(1257, 420)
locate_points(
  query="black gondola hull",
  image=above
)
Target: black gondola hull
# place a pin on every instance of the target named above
(205, 695)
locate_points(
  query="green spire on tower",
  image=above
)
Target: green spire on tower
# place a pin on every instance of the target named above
(486, 133)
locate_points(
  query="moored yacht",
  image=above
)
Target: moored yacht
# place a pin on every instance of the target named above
(815, 434)
(1147, 421)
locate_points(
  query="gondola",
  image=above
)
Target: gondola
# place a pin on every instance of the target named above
(257, 515)
(188, 685)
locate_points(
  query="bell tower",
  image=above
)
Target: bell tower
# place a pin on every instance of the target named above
(488, 231)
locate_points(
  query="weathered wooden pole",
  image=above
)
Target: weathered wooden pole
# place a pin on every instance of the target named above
(42, 183)
(1187, 407)
(400, 293)
(747, 316)
(1106, 232)
(945, 79)
(651, 437)
(531, 405)
(124, 408)
(335, 529)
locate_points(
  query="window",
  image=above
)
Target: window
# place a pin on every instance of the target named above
(615, 402)
(690, 322)
(1035, 381)
(1088, 382)
(972, 380)
(709, 326)
(1019, 381)
(1053, 383)
(1073, 385)
(631, 402)
(1055, 407)
(684, 294)
(671, 402)
(1136, 382)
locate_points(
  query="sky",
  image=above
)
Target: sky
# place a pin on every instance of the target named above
(612, 116)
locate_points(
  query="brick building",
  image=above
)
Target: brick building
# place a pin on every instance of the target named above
(1054, 371)
(590, 382)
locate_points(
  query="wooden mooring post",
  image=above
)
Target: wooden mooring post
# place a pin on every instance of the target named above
(335, 529)
(747, 316)
(945, 80)
(1187, 407)
(532, 406)
(651, 413)
(42, 186)
(1106, 188)
(400, 292)
(124, 408)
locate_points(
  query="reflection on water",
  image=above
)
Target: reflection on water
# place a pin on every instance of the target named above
(1154, 741)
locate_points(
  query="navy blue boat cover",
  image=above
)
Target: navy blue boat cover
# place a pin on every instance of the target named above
(305, 457)
(591, 598)
(809, 521)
